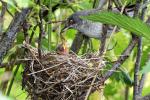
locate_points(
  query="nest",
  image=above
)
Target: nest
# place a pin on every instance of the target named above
(61, 77)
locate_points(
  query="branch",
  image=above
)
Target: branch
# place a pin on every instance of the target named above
(102, 48)
(126, 93)
(32, 34)
(101, 4)
(69, 5)
(136, 69)
(141, 82)
(10, 63)
(121, 59)
(10, 35)
(4, 7)
(147, 97)
(41, 30)
(139, 54)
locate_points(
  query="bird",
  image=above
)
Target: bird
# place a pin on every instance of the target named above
(85, 27)
(62, 49)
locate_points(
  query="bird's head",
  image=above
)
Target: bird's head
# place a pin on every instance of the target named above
(72, 22)
(75, 21)
(86, 27)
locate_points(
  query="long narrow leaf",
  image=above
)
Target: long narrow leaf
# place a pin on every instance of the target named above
(134, 25)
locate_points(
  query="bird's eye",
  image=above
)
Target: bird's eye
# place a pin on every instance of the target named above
(71, 21)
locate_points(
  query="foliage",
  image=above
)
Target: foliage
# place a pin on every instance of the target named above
(133, 25)
(146, 68)
(57, 10)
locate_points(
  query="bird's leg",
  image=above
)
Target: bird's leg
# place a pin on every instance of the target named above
(77, 42)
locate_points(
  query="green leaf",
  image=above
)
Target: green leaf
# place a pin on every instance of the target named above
(121, 42)
(134, 25)
(146, 50)
(128, 2)
(146, 68)
(121, 75)
(126, 77)
(20, 38)
(95, 96)
(11, 3)
(110, 89)
(23, 3)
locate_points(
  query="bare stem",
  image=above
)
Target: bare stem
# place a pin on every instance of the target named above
(141, 84)
(41, 31)
(136, 69)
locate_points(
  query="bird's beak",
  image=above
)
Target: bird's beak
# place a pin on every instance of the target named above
(64, 29)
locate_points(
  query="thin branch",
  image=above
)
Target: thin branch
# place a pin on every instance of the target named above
(41, 31)
(12, 80)
(25, 27)
(101, 4)
(50, 22)
(9, 12)
(32, 34)
(4, 6)
(115, 28)
(89, 90)
(136, 69)
(117, 4)
(69, 5)
(10, 63)
(141, 82)
(126, 93)
(50, 26)
(4, 84)
(94, 3)
(138, 58)
(6, 9)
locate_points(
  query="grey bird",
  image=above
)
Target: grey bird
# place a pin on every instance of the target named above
(86, 27)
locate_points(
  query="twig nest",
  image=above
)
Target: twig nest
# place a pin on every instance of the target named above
(61, 77)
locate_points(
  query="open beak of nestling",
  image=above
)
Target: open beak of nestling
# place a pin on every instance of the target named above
(62, 49)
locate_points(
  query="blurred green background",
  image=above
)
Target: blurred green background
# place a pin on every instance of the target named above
(57, 10)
